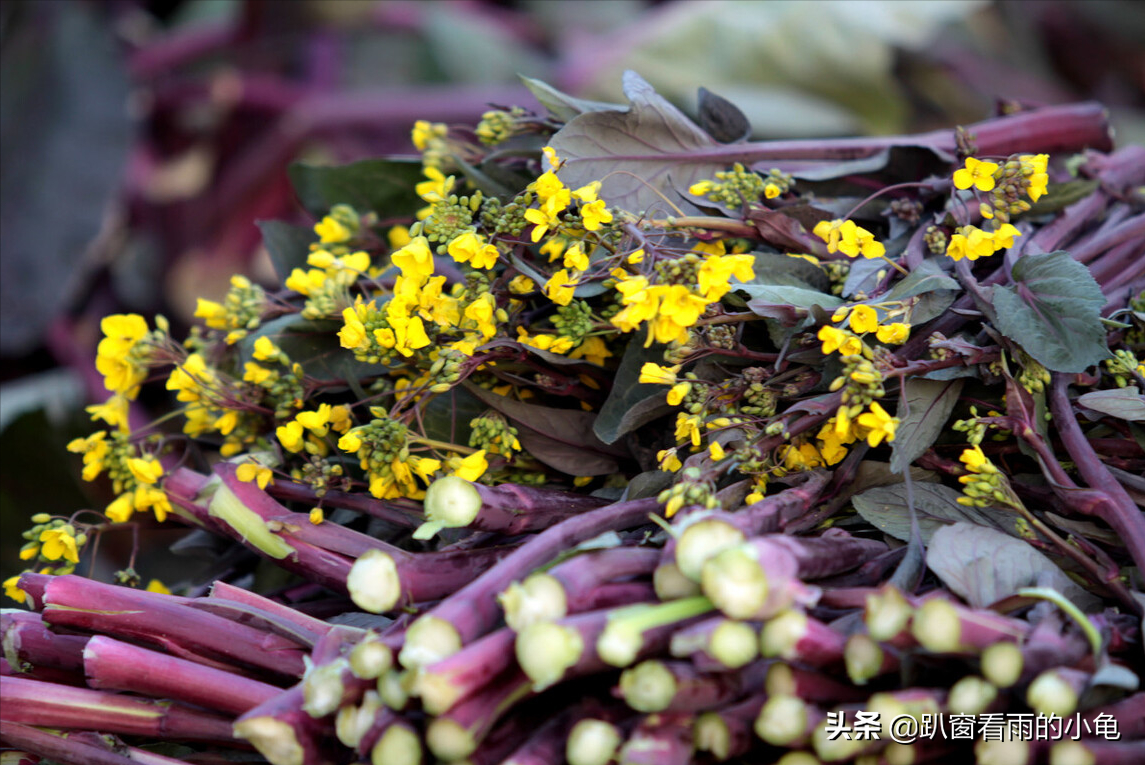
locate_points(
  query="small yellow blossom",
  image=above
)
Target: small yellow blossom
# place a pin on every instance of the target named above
(864, 319)
(146, 470)
(716, 451)
(157, 586)
(561, 286)
(575, 258)
(1004, 236)
(472, 467)
(415, 259)
(678, 392)
(594, 215)
(668, 460)
(470, 248)
(655, 374)
(59, 543)
(253, 471)
(316, 516)
(835, 339)
(291, 436)
(893, 334)
(330, 230)
(12, 590)
(879, 424)
(976, 173)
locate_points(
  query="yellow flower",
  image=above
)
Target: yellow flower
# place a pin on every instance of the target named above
(835, 339)
(548, 186)
(636, 256)
(214, 314)
(830, 231)
(593, 350)
(265, 349)
(856, 241)
(976, 173)
(472, 467)
(716, 451)
(864, 319)
(575, 258)
(305, 282)
(798, 457)
(587, 193)
(976, 460)
(317, 421)
(879, 424)
(191, 378)
(398, 237)
(59, 543)
(893, 334)
(12, 591)
(595, 214)
(290, 436)
(655, 374)
(415, 259)
(771, 191)
(678, 392)
(716, 271)
(470, 248)
(157, 586)
(682, 305)
(120, 509)
(561, 286)
(113, 412)
(317, 516)
(1004, 236)
(331, 231)
(701, 188)
(1037, 179)
(121, 372)
(688, 428)
(521, 285)
(94, 449)
(254, 373)
(971, 243)
(146, 470)
(253, 471)
(424, 130)
(351, 442)
(353, 332)
(542, 221)
(668, 460)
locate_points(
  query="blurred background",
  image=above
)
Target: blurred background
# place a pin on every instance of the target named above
(140, 140)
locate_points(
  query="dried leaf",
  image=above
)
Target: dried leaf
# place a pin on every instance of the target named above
(632, 403)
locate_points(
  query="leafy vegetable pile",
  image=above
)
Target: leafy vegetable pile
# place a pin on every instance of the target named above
(640, 442)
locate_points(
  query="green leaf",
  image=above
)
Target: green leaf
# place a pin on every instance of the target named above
(1054, 312)
(885, 508)
(314, 345)
(641, 155)
(631, 403)
(933, 290)
(779, 269)
(983, 566)
(572, 427)
(571, 460)
(446, 416)
(1122, 403)
(1058, 196)
(288, 245)
(382, 186)
(766, 299)
(928, 405)
(561, 105)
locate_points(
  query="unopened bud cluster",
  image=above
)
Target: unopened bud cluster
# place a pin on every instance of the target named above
(691, 489)
(493, 433)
